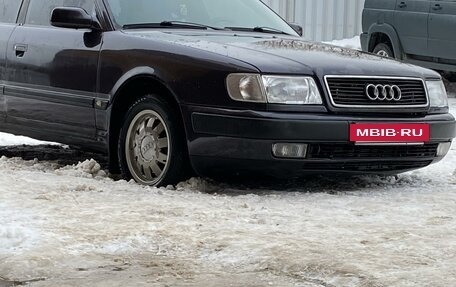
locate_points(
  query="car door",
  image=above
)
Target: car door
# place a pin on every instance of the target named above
(9, 10)
(442, 24)
(52, 74)
(411, 23)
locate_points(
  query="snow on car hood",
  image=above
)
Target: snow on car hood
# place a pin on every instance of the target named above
(271, 54)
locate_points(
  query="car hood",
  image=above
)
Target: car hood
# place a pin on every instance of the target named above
(287, 55)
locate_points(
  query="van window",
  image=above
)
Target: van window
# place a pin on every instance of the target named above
(9, 10)
(39, 11)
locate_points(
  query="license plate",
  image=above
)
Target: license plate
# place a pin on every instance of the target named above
(390, 133)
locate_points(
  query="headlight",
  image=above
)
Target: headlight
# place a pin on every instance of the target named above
(245, 88)
(273, 89)
(291, 90)
(437, 94)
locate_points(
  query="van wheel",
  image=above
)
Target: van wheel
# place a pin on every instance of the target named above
(151, 145)
(383, 50)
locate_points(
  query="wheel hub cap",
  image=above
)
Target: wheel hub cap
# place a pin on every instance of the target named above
(148, 148)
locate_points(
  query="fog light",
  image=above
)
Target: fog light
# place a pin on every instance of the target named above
(443, 149)
(289, 150)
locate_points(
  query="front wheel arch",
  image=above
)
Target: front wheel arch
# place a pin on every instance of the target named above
(389, 34)
(384, 49)
(151, 145)
(132, 90)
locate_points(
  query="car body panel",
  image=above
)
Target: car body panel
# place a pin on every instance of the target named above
(180, 68)
(368, 42)
(288, 55)
(376, 18)
(54, 82)
(442, 39)
(5, 32)
(411, 23)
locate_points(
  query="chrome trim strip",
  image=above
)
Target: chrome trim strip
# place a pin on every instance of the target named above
(375, 106)
(52, 96)
(388, 144)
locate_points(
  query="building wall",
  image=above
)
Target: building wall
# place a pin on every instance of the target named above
(322, 20)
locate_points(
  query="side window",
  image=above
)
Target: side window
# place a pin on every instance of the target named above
(9, 10)
(39, 11)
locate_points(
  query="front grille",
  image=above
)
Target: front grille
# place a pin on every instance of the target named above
(371, 166)
(347, 151)
(351, 92)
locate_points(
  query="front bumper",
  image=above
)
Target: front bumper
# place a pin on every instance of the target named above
(222, 141)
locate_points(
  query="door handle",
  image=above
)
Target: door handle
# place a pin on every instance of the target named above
(402, 5)
(20, 50)
(437, 7)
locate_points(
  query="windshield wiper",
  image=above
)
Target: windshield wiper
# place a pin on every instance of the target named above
(268, 30)
(171, 24)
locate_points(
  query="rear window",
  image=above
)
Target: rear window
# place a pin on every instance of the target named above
(9, 10)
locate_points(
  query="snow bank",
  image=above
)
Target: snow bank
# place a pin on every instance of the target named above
(353, 43)
(89, 169)
(10, 140)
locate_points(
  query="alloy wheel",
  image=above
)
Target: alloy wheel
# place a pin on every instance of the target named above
(147, 147)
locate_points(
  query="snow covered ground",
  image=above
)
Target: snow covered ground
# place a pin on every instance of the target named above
(73, 226)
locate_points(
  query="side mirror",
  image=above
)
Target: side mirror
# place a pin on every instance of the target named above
(298, 29)
(73, 18)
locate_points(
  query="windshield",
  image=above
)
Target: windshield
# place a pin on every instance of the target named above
(211, 13)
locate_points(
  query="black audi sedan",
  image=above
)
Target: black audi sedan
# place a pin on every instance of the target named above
(217, 87)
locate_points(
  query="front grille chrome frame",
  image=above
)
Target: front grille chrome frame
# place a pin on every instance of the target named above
(373, 107)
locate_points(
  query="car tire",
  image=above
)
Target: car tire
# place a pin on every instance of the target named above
(152, 148)
(383, 50)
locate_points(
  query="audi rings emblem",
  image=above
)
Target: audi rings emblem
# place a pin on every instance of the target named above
(383, 93)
